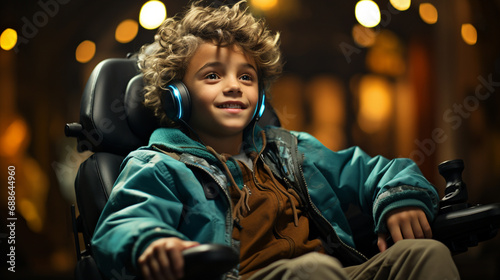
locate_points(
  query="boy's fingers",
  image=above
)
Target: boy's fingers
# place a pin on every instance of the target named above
(189, 244)
(407, 230)
(146, 273)
(175, 269)
(177, 262)
(395, 231)
(151, 270)
(426, 227)
(163, 259)
(144, 264)
(418, 231)
(381, 242)
(163, 271)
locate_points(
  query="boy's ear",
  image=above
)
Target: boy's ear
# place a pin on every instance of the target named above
(176, 101)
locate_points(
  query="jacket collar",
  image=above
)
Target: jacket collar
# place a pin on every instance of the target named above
(175, 140)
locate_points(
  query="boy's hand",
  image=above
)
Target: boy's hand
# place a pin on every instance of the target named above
(162, 260)
(405, 223)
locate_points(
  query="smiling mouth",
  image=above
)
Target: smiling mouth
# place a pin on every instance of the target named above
(231, 106)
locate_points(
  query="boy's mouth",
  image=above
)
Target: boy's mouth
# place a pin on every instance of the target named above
(232, 105)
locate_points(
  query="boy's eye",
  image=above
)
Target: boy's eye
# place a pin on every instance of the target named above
(211, 76)
(246, 77)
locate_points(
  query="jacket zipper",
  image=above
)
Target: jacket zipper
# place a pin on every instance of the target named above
(303, 185)
(276, 234)
(303, 180)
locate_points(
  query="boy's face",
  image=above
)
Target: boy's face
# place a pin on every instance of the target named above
(223, 85)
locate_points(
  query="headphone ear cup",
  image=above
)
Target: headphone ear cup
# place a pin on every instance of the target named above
(261, 105)
(176, 101)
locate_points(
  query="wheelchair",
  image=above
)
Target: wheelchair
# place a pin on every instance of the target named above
(114, 122)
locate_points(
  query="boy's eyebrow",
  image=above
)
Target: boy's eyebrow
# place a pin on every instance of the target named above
(249, 66)
(218, 64)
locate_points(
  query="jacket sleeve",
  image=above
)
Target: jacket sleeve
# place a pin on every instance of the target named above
(144, 206)
(377, 185)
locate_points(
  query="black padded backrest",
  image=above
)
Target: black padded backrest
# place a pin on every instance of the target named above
(140, 119)
(103, 112)
(93, 185)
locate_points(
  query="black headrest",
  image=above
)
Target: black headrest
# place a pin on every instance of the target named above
(140, 119)
(112, 116)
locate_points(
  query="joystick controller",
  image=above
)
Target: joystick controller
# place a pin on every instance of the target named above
(458, 224)
(455, 194)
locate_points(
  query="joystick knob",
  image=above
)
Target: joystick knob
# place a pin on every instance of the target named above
(455, 193)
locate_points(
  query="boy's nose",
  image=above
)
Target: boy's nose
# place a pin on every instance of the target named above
(232, 86)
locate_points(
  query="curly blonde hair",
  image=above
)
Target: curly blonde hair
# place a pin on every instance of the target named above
(178, 39)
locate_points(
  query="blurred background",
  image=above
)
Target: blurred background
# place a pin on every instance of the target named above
(398, 78)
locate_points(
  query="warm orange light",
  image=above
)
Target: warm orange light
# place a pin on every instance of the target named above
(13, 138)
(8, 39)
(126, 31)
(386, 55)
(30, 214)
(428, 13)
(401, 5)
(363, 36)
(85, 51)
(264, 5)
(375, 103)
(469, 34)
(327, 96)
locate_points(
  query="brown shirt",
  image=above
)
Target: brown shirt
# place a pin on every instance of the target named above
(269, 222)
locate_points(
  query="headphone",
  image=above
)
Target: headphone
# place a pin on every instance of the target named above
(176, 102)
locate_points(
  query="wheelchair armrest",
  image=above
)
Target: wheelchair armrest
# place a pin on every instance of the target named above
(467, 227)
(208, 261)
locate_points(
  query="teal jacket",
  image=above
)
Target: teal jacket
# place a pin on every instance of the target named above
(186, 195)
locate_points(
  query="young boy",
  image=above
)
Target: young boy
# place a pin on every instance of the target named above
(210, 175)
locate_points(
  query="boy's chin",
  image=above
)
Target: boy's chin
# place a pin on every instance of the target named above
(232, 129)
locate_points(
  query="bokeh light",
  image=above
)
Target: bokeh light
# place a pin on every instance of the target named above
(85, 51)
(152, 14)
(8, 39)
(375, 103)
(12, 138)
(126, 31)
(428, 13)
(401, 5)
(264, 5)
(469, 34)
(367, 13)
(363, 36)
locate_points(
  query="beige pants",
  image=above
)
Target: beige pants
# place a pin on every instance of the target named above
(424, 259)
